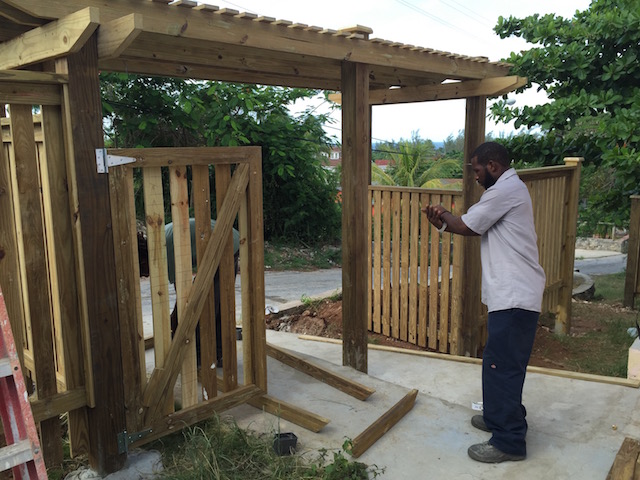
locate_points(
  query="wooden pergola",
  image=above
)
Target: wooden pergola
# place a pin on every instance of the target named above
(79, 38)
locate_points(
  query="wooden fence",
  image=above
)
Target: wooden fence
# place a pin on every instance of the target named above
(415, 272)
(40, 276)
(632, 278)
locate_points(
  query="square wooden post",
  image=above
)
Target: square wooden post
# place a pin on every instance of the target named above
(474, 135)
(107, 417)
(572, 190)
(632, 278)
(356, 166)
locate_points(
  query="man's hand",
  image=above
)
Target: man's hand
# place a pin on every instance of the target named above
(434, 214)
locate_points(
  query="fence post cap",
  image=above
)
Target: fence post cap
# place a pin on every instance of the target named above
(573, 160)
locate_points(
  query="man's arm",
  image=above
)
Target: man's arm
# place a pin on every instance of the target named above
(438, 215)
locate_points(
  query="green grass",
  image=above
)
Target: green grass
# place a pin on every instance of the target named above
(281, 256)
(609, 288)
(604, 349)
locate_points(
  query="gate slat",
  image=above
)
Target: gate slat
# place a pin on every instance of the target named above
(386, 273)
(183, 276)
(423, 312)
(413, 267)
(443, 327)
(158, 278)
(208, 340)
(434, 262)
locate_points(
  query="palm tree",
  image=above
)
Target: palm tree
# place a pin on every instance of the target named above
(414, 165)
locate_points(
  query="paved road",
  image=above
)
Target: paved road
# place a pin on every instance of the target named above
(286, 289)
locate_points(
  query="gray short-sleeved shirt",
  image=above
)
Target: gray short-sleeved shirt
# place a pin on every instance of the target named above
(511, 273)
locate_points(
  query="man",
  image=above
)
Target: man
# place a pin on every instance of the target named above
(168, 231)
(512, 287)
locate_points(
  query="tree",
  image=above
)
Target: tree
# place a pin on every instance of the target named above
(588, 67)
(414, 165)
(299, 194)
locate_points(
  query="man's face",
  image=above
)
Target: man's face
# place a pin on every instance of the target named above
(483, 175)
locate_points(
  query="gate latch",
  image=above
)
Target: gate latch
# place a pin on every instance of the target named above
(104, 161)
(125, 439)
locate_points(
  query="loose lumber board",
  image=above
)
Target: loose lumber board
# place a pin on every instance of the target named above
(344, 384)
(381, 426)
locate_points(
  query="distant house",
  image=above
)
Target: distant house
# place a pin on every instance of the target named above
(334, 159)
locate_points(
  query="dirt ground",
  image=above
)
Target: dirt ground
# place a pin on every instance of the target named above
(324, 319)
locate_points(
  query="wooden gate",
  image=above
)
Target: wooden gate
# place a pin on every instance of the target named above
(238, 199)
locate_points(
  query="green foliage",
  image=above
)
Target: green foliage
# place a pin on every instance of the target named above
(414, 163)
(299, 194)
(588, 67)
(289, 256)
(220, 449)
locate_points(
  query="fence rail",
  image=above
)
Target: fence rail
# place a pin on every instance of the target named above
(415, 273)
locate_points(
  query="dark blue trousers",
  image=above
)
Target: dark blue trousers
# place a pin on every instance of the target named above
(504, 364)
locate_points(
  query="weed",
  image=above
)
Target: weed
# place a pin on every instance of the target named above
(220, 449)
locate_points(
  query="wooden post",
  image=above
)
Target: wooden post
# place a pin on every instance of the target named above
(471, 269)
(632, 278)
(10, 277)
(572, 190)
(107, 418)
(356, 165)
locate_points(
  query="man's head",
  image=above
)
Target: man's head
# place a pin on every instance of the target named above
(489, 161)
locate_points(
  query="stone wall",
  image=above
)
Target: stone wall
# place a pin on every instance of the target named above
(591, 243)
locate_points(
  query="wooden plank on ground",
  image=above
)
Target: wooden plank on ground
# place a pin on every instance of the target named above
(626, 465)
(344, 384)
(290, 412)
(383, 424)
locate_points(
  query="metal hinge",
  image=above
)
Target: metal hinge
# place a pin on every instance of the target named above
(125, 439)
(104, 161)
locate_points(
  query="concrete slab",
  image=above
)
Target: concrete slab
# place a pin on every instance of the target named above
(575, 427)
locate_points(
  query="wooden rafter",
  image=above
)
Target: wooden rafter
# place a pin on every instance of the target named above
(488, 87)
(53, 40)
(115, 36)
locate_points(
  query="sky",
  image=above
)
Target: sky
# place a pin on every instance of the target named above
(459, 26)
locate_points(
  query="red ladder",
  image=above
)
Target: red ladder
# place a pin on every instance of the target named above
(22, 453)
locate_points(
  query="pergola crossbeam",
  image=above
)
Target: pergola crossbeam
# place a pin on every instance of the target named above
(53, 40)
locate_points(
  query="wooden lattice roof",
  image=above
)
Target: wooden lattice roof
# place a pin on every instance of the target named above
(191, 40)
